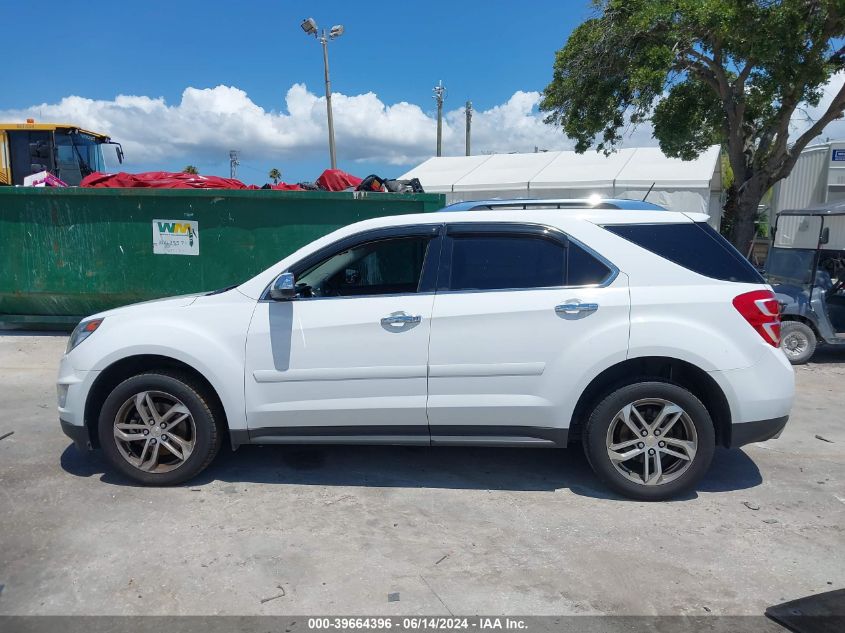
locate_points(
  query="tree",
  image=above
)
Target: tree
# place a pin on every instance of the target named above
(275, 175)
(703, 72)
(190, 169)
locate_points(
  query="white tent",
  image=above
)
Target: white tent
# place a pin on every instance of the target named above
(693, 186)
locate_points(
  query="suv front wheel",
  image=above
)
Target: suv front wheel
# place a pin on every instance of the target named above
(650, 440)
(159, 428)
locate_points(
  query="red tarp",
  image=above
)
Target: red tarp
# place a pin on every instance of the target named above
(171, 180)
(337, 180)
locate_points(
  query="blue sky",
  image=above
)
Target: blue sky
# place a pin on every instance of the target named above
(484, 51)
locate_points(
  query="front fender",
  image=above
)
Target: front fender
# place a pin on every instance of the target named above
(208, 337)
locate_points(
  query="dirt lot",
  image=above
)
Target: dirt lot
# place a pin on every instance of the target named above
(282, 530)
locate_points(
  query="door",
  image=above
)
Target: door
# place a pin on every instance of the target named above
(522, 315)
(29, 153)
(346, 360)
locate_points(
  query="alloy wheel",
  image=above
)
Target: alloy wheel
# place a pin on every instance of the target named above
(651, 441)
(154, 431)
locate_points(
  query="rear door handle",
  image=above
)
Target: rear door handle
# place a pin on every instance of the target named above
(574, 307)
(400, 318)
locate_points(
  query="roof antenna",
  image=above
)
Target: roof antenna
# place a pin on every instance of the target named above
(649, 191)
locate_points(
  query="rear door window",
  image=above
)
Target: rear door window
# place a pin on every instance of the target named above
(695, 245)
(519, 258)
(498, 262)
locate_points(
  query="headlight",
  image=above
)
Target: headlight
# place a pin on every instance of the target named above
(81, 332)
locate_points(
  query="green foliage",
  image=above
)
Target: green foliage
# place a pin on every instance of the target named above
(275, 175)
(190, 169)
(726, 172)
(616, 66)
(689, 118)
(704, 72)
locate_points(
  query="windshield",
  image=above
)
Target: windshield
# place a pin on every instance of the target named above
(790, 266)
(798, 231)
(77, 156)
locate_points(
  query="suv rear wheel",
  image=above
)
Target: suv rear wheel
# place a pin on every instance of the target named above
(159, 429)
(650, 440)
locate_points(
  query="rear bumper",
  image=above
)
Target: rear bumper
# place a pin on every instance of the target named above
(758, 393)
(79, 435)
(759, 431)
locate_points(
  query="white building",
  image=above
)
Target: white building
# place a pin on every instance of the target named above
(692, 186)
(818, 177)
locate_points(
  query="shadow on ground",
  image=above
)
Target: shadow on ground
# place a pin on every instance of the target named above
(828, 354)
(516, 469)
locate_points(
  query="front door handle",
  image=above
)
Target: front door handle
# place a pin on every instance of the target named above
(400, 318)
(575, 307)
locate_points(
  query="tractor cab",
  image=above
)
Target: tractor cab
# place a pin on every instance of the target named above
(66, 151)
(806, 269)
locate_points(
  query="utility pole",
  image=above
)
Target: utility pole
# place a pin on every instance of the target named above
(469, 125)
(233, 164)
(439, 96)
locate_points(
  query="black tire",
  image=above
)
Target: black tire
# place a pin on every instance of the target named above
(798, 341)
(595, 441)
(207, 426)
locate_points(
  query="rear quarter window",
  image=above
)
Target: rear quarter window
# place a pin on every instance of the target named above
(696, 246)
(583, 269)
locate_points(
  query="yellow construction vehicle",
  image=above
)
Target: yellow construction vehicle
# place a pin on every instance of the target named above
(67, 151)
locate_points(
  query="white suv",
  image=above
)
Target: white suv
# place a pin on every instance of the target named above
(636, 332)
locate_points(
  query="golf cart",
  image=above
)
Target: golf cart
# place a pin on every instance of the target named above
(806, 268)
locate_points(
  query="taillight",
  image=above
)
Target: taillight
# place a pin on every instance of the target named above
(762, 311)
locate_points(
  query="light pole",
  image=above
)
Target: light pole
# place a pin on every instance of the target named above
(309, 25)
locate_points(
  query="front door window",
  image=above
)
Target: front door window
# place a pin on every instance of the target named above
(383, 267)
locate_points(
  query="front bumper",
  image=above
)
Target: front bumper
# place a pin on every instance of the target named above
(73, 386)
(759, 431)
(79, 434)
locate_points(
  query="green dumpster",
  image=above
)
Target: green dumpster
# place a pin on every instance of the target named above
(67, 253)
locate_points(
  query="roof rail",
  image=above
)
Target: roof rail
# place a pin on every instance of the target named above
(561, 203)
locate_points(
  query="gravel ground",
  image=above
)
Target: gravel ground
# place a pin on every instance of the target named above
(300, 530)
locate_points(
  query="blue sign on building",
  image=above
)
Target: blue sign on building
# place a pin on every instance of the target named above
(839, 154)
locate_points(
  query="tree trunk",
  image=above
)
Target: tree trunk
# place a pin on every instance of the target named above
(741, 211)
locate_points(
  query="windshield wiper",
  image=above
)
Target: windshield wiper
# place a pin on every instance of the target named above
(84, 167)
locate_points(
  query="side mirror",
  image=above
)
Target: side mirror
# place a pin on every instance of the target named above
(118, 149)
(283, 288)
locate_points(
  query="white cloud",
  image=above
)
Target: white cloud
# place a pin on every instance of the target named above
(805, 115)
(208, 122)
